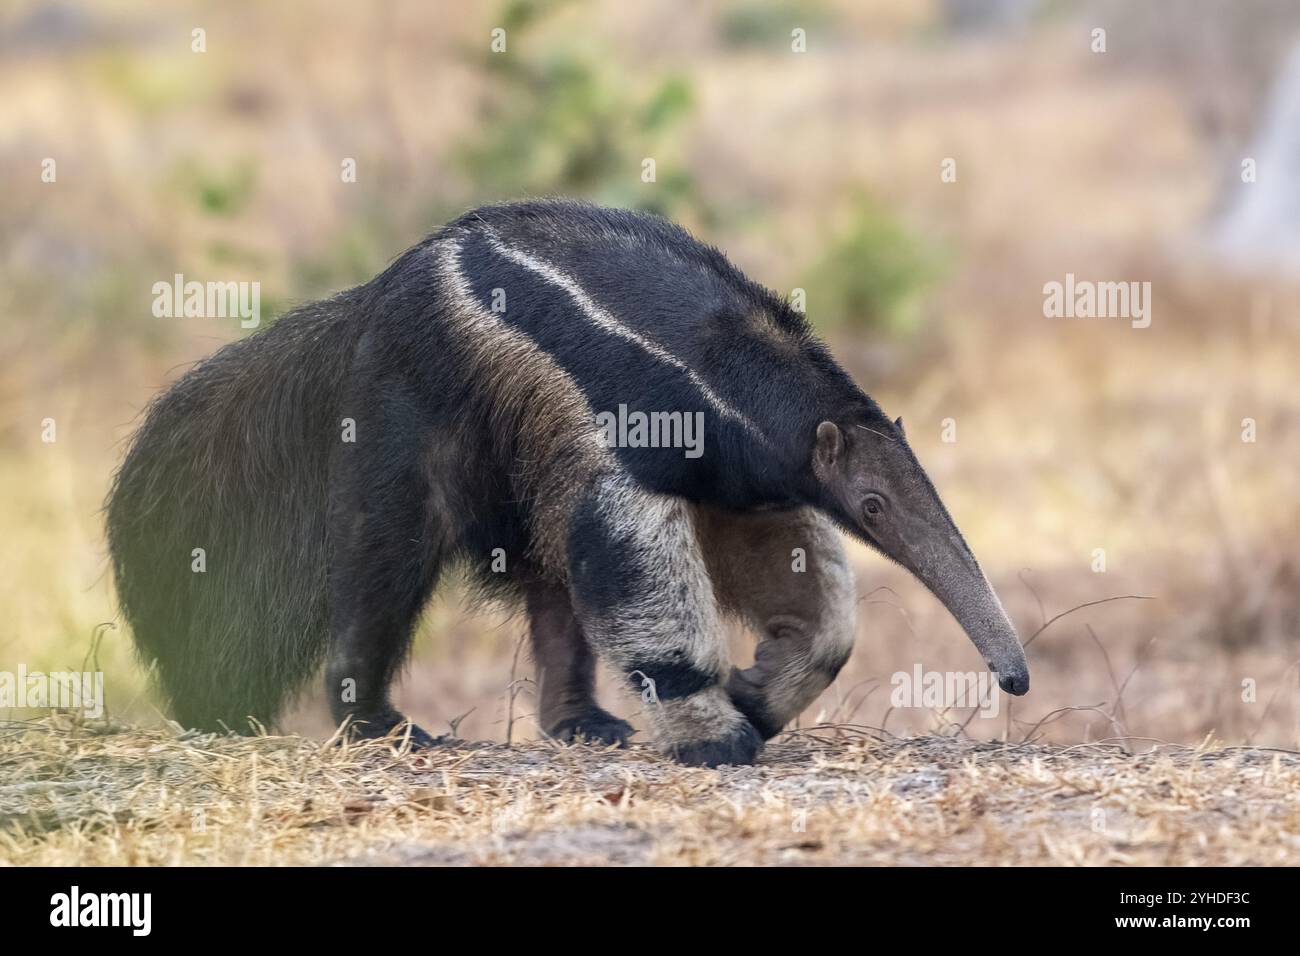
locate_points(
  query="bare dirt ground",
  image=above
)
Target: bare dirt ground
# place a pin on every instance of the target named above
(81, 794)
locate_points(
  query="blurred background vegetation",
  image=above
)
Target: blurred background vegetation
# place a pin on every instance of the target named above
(816, 170)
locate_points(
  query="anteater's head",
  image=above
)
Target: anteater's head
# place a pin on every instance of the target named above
(868, 480)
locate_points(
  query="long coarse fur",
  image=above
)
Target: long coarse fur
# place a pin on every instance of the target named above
(233, 460)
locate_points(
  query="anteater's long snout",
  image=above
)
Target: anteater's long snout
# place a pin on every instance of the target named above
(953, 574)
(980, 613)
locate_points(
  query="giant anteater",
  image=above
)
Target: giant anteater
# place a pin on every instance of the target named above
(457, 408)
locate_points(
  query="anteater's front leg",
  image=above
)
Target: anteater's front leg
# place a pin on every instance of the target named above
(642, 595)
(785, 573)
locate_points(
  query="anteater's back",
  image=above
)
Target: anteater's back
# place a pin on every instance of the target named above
(639, 314)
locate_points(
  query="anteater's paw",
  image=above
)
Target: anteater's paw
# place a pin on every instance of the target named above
(751, 702)
(394, 728)
(420, 739)
(595, 726)
(739, 747)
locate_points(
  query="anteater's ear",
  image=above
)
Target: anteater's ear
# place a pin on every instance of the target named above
(827, 449)
(898, 423)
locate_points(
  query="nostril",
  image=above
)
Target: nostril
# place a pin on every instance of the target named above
(1014, 684)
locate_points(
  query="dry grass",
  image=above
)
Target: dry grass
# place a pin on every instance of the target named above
(104, 795)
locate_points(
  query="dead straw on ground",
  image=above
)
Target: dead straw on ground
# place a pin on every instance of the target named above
(74, 792)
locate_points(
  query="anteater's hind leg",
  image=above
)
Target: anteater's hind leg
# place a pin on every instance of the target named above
(566, 672)
(785, 573)
(386, 557)
(642, 595)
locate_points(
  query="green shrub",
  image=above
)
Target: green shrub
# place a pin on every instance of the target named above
(560, 122)
(872, 276)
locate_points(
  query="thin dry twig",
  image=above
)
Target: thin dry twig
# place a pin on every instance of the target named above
(1268, 706)
(1080, 607)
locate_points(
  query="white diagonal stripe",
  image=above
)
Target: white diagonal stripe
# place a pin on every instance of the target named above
(501, 346)
(602, 318)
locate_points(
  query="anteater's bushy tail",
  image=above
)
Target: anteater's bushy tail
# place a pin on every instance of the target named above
(234, 459)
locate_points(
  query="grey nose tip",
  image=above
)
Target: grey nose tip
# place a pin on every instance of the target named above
(1017, 684)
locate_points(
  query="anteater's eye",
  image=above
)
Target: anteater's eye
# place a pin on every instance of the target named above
(873, 506)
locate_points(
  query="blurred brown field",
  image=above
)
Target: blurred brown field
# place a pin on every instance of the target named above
(819, 170)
